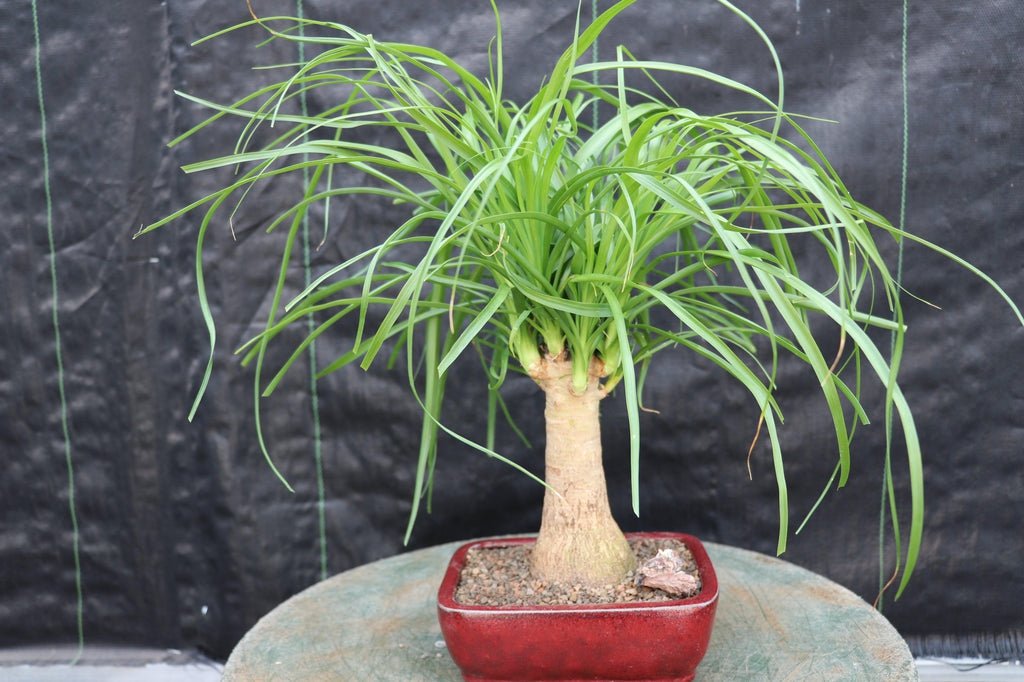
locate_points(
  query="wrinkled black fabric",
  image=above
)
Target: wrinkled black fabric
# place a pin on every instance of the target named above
(186, 536)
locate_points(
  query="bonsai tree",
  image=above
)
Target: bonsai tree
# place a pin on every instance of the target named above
(546, 242)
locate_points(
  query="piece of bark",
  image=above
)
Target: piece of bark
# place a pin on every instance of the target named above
(666, 571)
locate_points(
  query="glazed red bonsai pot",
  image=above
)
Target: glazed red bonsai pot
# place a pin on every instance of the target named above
(626, 641)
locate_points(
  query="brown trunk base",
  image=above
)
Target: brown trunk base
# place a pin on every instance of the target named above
(579, 541)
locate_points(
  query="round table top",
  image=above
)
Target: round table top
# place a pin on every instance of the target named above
(775, 621)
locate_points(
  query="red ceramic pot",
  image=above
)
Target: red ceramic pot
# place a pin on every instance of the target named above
(627, 641)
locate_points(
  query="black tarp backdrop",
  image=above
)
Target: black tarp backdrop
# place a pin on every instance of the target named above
(187, 538)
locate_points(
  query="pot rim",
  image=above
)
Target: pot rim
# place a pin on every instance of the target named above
(708, 594)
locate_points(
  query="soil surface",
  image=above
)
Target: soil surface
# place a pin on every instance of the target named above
(500, 576)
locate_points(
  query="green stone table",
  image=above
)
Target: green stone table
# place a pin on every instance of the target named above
(378, 622)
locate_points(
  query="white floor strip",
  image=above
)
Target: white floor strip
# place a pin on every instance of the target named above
(968, 670)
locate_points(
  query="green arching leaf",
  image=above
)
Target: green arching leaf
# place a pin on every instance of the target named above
(473, 329)
(632, 399)
(431, 406)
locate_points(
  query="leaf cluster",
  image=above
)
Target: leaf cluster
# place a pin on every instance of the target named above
(534, 231)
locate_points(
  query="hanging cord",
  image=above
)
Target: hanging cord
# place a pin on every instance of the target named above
(310, 326)
(594, 56)
(883, 584)
(903, 160)
(57, 343)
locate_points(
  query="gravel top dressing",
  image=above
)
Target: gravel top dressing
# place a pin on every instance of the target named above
(500, 576)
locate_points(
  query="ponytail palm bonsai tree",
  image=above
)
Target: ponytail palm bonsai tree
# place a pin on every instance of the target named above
(543, 241)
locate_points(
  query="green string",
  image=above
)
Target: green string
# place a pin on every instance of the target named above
(594, 56)
(314, 395)
(57, 343)
(903, 162)
(899, 283)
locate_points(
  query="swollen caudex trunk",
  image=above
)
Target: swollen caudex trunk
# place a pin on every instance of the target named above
(579, 541)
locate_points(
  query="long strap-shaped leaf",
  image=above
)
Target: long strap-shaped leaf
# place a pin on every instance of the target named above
(473, 329)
